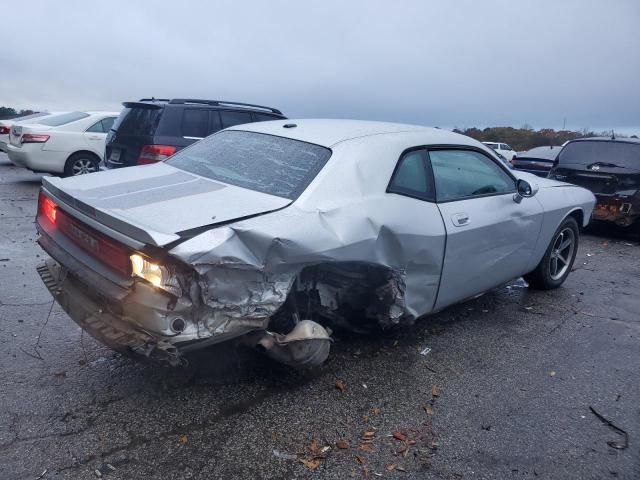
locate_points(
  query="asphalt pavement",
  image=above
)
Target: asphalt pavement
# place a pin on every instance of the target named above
(507, 386)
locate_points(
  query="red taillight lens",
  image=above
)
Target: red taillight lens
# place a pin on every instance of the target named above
(4, 130)
(155, 153)
(48, 208)
(34, 138)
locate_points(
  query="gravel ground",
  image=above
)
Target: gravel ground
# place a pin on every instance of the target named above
(505, 391)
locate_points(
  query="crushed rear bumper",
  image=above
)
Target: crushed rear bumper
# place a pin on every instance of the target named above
(621, 211)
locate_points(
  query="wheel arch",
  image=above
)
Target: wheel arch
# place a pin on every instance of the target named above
(87, 152)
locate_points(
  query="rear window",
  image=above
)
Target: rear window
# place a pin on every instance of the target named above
(621, 154)
(63, 119)
(264, 163)
(138, 121)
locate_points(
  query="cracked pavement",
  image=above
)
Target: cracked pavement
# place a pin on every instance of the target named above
(515, 372)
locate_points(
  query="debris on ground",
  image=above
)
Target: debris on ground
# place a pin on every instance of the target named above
(612, 426)
(399, 436)
(284, 455)
(552, 373)
(342, 444)
(518, 283)
(425, 351)
(341, 385)
(435, 391)
(44, 472)
(184, 439)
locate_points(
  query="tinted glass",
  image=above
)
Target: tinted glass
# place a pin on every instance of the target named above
(96, 128)
(492, 145)
(107, 123)
(137, 121)
(411, 176)
(466, 173)
(195, 122)
(263, 117)
(63, 119)
(229, 118)
(214, 122)
(506, 147)
(587, 153)
(264, 163)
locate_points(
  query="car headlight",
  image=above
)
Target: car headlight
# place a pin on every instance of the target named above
(157, 275)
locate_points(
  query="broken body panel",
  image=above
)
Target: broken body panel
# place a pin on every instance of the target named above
(252, 265)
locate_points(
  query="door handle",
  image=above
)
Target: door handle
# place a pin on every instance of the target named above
(460, 219)
(94, 137)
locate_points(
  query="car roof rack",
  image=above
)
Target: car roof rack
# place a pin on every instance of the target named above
(152, 99)
(223, 103)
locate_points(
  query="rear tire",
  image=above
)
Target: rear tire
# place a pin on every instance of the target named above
(81, 163)
(555, 266)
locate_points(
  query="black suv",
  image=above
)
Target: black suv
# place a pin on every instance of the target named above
(150, 130)
(610, 168)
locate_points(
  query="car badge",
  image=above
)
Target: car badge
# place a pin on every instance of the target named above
(595, 167)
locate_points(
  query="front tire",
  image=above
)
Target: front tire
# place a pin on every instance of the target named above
(80, 163)
(555, 266)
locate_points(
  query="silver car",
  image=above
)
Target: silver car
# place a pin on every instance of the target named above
(271, 233)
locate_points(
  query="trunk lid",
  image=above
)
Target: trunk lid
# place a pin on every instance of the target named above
(16, 132)
(158, 204)
(603, 181)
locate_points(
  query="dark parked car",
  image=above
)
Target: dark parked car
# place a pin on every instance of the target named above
(151, 130)
(610, 168)
(538, 160)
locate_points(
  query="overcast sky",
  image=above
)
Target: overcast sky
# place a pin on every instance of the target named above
(440, 63)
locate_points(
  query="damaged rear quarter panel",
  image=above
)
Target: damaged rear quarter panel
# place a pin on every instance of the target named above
(247, 269)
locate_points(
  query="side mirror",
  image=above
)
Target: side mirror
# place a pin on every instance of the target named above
(524, 190)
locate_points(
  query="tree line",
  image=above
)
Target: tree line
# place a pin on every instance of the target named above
(525, 138)
(7, 113)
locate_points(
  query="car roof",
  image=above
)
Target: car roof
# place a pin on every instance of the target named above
(329, 132)
(607, 139)
(200, 103)
(546, 153)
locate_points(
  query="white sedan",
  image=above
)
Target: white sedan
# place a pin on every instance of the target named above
(68, 144)
(5, 126)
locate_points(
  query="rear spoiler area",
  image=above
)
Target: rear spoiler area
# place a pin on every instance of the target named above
(107, 223)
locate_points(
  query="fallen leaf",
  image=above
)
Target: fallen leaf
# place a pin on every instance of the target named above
(342, 444)
(60, 374)
(391, 466)
(341, 385)
(369, 434)
(428, 409)
(435, 391)
(399, 436)
(366, 447)
(184, 439)
(314, 446)
(359, 459)
(376, 410)
(312, 463)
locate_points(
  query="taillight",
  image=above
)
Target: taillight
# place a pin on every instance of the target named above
(155, 153)
(47, 207)
(34, 138)
(4, 130)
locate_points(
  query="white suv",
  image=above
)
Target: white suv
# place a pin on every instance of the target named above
(503, 149)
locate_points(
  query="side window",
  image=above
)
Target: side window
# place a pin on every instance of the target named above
(195, 122)
(506, 147)
(231, 118)
(96, 128)
(263, 117)
(466, 173)
(412, 176)
(107, 123)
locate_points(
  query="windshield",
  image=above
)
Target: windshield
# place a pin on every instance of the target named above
(137, 121)
(620, 154)
(63, 119)
(264, 163)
